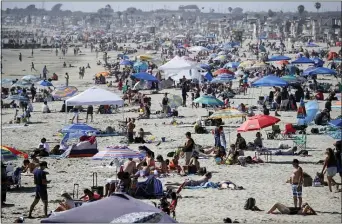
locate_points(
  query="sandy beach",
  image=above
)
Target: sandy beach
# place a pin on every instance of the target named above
(265, 182)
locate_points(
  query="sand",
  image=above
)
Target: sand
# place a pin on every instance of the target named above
(264, 182)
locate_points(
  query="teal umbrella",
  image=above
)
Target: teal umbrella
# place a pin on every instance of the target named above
(209, 100)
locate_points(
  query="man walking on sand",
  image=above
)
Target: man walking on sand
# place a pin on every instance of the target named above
(41, 188)
(296, 183)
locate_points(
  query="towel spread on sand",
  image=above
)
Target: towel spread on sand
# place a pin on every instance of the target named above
(204, 185)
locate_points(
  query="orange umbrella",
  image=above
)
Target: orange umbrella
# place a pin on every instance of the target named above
(283, 62)
(102, 73)
(223, 71)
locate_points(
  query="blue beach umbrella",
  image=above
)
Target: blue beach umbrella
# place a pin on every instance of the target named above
(303, 60)
(232, 65)
(125, 62)
(319, 71)
(208, 76)
(78, 128)
(279, 58)
(311, 109)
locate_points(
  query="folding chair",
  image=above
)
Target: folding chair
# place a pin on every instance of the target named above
(300, 142)
(289, 131)
(146, 189)
(275, 133)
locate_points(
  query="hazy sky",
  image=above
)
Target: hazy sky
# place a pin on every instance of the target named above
(218, 6)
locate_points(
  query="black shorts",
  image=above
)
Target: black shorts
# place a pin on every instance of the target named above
(41, 194)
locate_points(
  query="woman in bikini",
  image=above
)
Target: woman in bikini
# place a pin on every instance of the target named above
(304, 210)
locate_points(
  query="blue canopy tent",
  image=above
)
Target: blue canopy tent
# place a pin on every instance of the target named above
(118, 208)
(140, 66)
(144, 76)
(45, 83)
(279, 58)
(270, 80)
(311, 109)
(319, 71)
(303, 60)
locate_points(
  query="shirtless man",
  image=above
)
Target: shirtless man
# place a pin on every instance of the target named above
(129, 166)
(296, 183)
(28, 166)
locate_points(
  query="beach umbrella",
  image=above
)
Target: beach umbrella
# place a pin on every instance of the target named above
(270, 80)
(45, 83)
(22, 84)
(303, 60)
(78, 127)
(279, 58)
(239, 72)
(223, 71)
(259, 65)
(62, 92)
(209, 100)
(125, 62)
(336, 122)
(227, 113)
(175, 101)
(293, 79)
(213, 55)
(283, 62)
(30, 78)
(117, 152)
(118, 208)
(140, 66)
(18, 97)
(9, 153)
(338, 105)
(312, 45)
(223, 78)
(198, 48)
(258, 122)
(311, 109)
(145, 57)
(220, 58)
(205, 66)
(144, 76)
(318, 62)
(232, 65)
(105, 74)
(246, 64)
(319, 71)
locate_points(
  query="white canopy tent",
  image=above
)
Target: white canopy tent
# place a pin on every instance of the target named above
(198, 49)
(178, 63)
(95, 96)
(189, 74)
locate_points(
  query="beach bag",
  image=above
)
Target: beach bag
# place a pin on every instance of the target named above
(314, 131)
(250, 204)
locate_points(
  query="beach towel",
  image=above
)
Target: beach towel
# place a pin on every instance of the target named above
(204, 185)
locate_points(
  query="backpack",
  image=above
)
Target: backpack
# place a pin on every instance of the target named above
(250, 204)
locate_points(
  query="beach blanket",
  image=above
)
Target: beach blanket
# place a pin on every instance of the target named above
(204, 185)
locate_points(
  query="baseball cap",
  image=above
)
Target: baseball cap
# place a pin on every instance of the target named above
(43, 163)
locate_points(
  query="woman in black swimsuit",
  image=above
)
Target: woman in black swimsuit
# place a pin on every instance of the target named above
(304, 210)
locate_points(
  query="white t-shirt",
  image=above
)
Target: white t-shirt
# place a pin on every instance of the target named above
(46, 108)
(45, 146)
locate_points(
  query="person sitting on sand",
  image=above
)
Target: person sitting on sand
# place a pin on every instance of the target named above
(144, 170)
(124, 182)
(174, 163)
(161, 165)
(150, 160)
(140, 137)
(28, 166)
(89, 196)
(240, 142)
(194, 165)
(43, 148)
(233, 159)
(130, 166)
(46, 108)
(88, 65)
(258, 140)
(66, 204)
(304, 210)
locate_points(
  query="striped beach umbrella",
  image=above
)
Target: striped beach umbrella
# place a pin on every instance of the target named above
(9, 153)
(209, 100)
(175, 101)
(62, 92)
(118, 152)
(227, 113)
(223, 71)
(337, 105)
(223, 78)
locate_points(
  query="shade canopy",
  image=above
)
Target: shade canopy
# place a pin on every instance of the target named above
(177, 63)
(227, 113)
(110, 210)
(270, 80)
(209, 100)
(144, 76)
(303, 60)
(95, 96)
(45, 83)
(279, 58)
(119, 152)
(319, 71)
(78, 128)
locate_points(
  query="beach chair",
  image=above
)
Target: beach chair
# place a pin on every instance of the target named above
(289, 131)
(300, 142)
(145, 189)
(275, 133)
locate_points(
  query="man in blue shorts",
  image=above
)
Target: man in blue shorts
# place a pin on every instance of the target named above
(297, 182)
(41, 188)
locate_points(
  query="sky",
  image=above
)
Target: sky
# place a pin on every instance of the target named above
(221, 7)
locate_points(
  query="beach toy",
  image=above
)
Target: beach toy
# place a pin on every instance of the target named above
(218, 161)
(163, 139)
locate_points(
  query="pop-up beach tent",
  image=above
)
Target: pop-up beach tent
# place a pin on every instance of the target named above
(95, 96)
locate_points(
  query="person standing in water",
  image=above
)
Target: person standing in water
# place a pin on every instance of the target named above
(296, 183)
(20, 57)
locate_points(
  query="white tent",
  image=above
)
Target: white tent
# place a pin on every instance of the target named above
(198, 49)
(189, 74)
(95, 96)
(177, 63)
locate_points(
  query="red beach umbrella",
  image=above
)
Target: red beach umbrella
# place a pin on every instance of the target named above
(258, 122)
(223, 71)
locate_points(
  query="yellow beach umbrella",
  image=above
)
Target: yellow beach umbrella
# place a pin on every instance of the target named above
(105, 74)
